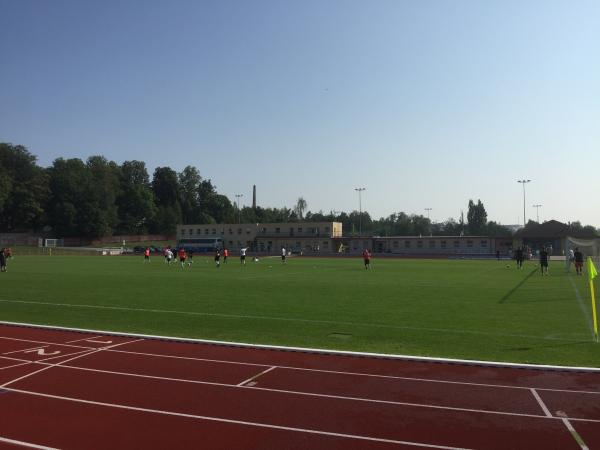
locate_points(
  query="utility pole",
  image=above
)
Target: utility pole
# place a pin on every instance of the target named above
(537, 209)
(238, 205)
(524, 182)
(359, 190)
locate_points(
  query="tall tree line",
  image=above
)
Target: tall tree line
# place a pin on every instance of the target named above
(97, 197)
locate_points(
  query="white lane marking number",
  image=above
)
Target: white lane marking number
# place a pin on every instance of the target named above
(42, 352)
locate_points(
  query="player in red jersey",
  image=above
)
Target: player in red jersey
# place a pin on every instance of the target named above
(367, 258)
(147, 255)
(182, 256)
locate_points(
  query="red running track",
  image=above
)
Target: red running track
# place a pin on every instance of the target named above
(72, 390)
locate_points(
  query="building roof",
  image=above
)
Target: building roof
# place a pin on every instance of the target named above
(552, 229)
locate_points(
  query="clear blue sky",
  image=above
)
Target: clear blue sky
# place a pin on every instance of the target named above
(424, 103)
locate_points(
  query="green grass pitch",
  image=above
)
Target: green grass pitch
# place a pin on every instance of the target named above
(443, 308)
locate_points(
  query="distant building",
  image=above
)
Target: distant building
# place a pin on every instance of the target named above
(308, 237)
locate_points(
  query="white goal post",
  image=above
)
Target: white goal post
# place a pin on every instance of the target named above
(589, 247)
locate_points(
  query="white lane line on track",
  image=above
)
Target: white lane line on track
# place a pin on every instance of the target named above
(49, 366)
(252, 378)
(238, 422)
(288, 319)
(335, 372)
(321, 351)
(575, 434)
(311, 394)
(360, 374)
(25, 350)
(25, 444)
(541, 403)
(24, 362)
(49, 343)
(83, 339)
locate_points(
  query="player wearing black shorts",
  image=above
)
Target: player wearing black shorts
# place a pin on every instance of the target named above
(544, 261)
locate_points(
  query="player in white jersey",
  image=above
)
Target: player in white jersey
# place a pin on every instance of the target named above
(243, 255)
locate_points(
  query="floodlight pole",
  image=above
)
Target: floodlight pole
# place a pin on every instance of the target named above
(524, 182)
(429, 209)
(238, 205)
(537, 209)
(359, 190)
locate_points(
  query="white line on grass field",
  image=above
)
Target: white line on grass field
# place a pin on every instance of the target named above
(25, 444)
(290, 319)
(409, 358)
(584, 310)
(312, 394)
(237, 422)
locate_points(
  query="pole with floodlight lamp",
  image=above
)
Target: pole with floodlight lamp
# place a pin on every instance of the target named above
(537, 209)
(524, 182)
(359, 190)
(429, 209)
(238, 205)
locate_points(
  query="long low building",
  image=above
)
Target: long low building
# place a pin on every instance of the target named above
(327, 237)
(262, 237)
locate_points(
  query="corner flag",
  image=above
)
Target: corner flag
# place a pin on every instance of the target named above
(593, 273)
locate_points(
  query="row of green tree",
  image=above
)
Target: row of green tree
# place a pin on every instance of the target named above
(97, 197)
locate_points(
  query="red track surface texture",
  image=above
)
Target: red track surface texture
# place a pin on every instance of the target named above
(70, 390)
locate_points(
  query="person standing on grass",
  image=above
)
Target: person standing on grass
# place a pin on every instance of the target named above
(367, 258)
(147, 255)
(498, 255)
(2, 260)
(165, 252)
(578, 257)
(243, 255)
(544, 261)
(190, 257)
(225, 255)
(519, 257)
(283, 254)
(570, 259)
(182, 257)
(218, 257)
(169, 256)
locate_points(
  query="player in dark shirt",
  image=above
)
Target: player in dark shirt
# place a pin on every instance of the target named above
(519, 257)
(578, 261)
(544, 261)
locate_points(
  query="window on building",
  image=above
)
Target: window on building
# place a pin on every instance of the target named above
(326, 229)
(198, 231)
(277, 230)
(419, 244)
(325, 244)
(239, 231)
(395, 244)
(183, 231)
(230, 231)
(431, 244)
(443, 244)
(247, 230)
(483, 243)
(190, 231)
(406, 244)
(299, 229)
(456, 244)
(469, 243)
(214, 231)
(206, 231)
(230, 243)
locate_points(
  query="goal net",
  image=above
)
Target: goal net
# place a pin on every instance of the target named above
(589, 247)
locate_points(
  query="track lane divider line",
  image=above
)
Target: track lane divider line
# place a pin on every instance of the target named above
(362, 374)
(256, 376)
(83, 339)
(25, 444)
(575, 434)
(238, 422)
(33, 341)
(25, 350)
(311, 394)
(49, 366)
(541, 403)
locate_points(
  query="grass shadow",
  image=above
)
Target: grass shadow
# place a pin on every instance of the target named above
(516, 288)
